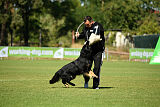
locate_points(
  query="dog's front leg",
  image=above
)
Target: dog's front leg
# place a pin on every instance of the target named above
(65, 83)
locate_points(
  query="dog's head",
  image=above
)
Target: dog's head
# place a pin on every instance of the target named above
(86, 51)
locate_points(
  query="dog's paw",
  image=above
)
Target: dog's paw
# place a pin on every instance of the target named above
(91, 75)
(66, 85)
(51, 82)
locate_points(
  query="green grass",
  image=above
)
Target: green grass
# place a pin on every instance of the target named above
(25, 83)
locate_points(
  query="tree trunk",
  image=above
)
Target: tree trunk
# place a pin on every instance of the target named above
(3, 41)
(11, 38)
(26, 29)
(26, 32)
(4, 36)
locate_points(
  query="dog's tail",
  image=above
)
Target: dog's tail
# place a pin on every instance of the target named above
(55, 78)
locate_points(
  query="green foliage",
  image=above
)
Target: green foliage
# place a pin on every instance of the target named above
(26, 20)
(65, 41)
(149, 26)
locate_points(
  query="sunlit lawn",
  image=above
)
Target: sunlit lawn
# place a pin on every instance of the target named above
(25, 83)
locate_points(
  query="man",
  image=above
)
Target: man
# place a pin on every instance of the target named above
(98, 47)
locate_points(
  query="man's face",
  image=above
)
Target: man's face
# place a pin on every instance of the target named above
(87, 23)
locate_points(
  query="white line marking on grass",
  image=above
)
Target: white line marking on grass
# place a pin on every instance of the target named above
(22, 80)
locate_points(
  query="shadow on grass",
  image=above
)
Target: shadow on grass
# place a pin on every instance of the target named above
(86, 88)
(106, 87)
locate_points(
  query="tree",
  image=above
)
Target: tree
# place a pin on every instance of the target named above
(27, 8)
(5, 15)
(65, 9)
(149, 26)
(53, 20)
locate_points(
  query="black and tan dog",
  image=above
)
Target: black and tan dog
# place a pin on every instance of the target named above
(77, 67)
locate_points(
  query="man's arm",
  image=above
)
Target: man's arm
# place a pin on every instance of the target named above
(102, 36)
(81, 35)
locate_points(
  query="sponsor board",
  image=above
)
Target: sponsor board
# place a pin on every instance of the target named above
(71, 52)
(3, 51)
(31, 51)
(139, 53)
(49, 52)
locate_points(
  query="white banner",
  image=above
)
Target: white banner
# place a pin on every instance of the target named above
(3, 51)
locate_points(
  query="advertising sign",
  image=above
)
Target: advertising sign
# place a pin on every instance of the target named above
(31, 51)
(48, 52)
(3, 51)
(136, 53)
(71, 52)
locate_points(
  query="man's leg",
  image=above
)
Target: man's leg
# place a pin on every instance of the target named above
(86, 79)
(97, 67)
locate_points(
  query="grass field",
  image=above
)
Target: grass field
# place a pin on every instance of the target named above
(25, 83)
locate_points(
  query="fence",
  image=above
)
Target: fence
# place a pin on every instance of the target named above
(147, 41)
(116, 55)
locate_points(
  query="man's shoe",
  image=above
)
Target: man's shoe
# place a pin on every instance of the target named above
(95, 87)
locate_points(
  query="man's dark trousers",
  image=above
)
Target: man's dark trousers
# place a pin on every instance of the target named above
(97, 58)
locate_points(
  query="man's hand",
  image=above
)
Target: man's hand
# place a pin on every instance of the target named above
(77, 35)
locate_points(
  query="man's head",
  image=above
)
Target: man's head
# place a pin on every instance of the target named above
(88, 21)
